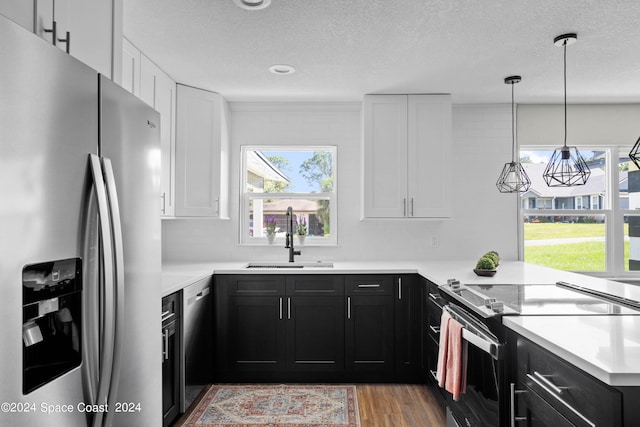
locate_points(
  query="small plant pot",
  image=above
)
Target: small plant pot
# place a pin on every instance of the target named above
(271, 238)
(301, 239)
(487, 273)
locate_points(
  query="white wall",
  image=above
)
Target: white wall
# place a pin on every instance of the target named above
(483, 219)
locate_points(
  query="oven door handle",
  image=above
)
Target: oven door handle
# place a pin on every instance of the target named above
(490, 347)
(474, 334)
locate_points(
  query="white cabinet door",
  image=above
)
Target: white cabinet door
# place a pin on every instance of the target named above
(159, 91)
(385, 156)
(90, 24)
(19, 11)
(429, 156)
(131, 58)
(201, 146)
(407, 156)
(43, 19)
(91, 27)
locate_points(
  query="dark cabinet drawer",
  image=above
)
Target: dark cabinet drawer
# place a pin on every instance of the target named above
(579, 397)
(252, 284)
(434, 300)
(534, 411)
(315, 284)
(369, 284)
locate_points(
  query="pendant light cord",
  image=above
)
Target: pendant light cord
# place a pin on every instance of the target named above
(565, 93)
(513, 129)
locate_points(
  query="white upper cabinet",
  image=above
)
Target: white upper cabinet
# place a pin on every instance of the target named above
(407, 156)
(202, 148)
(84, 28)
(131, 58)
(159, 91)
(385, 156)
(19, 11)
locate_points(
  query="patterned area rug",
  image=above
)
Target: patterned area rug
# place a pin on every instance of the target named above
(277, 406)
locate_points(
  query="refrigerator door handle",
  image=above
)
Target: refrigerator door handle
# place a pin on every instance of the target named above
(116, 229)
(91, 299)
(106, 315)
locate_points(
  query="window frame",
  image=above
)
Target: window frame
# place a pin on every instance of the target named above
(246, 197)
(613, 213)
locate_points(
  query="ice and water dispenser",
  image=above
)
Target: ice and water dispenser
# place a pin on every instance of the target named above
(51, 321)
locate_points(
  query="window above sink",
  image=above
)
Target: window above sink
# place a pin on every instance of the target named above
(276, 177)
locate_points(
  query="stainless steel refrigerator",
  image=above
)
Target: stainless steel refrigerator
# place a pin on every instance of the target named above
(80, 247)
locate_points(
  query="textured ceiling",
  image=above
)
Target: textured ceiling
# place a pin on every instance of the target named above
(343, 49)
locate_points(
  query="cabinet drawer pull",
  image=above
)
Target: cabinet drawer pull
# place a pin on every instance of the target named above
(373, 285)
(289, 308)
(435, 298)
(561, 400)
(165, 344)
(67, 42)
(348, 307)
(512, 404)
(280, 308)
(548, 383)
(166, 315)
(54, 32)
(399, 288)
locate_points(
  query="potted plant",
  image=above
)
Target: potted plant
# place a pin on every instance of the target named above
(270, 222)
(302, 229)
(487, 264)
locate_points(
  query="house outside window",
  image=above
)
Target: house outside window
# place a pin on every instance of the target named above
(583, 228)
(275, 178)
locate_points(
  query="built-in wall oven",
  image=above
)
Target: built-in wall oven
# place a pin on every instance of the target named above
(480, 308)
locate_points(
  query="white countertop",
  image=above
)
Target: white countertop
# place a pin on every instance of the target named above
(607, 347)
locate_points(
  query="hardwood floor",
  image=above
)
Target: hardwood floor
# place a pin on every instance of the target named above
(398, 405)
(389, 405)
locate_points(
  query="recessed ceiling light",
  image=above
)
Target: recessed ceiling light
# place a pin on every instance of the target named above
(282, 69)
(252, 4)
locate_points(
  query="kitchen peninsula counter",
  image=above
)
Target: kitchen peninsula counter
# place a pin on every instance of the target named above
(607, 347)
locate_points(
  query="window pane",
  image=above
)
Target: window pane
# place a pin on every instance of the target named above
(310, 216)
(629, 179)
(289, 171)
(575, 243)
(591, 195)
(632, 243)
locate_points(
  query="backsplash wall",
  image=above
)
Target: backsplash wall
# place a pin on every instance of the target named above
(483, 219)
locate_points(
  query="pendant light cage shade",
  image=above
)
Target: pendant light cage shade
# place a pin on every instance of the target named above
(513, 179)
(634, 154)
(566, 168)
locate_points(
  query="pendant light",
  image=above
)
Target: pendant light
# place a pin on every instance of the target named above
(566, 167)
(513, 178)
(634, 154)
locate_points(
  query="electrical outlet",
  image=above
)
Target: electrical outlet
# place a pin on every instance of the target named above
(435, 242)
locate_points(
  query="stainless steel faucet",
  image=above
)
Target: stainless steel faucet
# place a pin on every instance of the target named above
(289, 235)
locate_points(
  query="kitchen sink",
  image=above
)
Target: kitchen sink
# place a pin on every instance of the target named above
(289, 265)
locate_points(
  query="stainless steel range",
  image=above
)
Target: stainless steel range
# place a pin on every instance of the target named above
(480, 309)
(561, 298)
